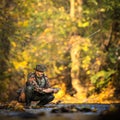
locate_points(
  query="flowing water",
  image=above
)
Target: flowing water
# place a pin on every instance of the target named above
(58, 112)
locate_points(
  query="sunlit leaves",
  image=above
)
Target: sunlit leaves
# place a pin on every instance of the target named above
(93, 2)
(19, 65)
(37, 31)
(101, 78)
(86, 62)
(13, 44)
(23, 23)
(83, 24)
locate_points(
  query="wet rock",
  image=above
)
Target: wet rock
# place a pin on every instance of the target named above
(85, 109)
(67, 109)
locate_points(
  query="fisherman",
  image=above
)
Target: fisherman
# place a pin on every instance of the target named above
(38, 88)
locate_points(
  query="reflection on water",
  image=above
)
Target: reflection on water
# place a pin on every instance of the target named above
(58, 112)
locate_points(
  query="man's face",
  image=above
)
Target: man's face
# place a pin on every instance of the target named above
(39, 74)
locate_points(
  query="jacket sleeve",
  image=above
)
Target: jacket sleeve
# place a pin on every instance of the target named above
(36, 87)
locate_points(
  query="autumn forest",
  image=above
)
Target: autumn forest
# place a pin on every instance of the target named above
(77, 40)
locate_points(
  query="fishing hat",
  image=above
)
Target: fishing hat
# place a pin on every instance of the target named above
(40, 68)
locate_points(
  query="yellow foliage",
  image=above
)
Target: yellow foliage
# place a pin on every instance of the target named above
(19, 65)
(16, 106)
(86, 61)
(102, 10)
(61, 9)
(23, 23)
(25, 55)
(98, 62)
(61, 68)
(88, 72)
(86, 11)
(61, 93)
(85, 24)
(13, 44)
(85, 48)
(50, 11)
(47, 30)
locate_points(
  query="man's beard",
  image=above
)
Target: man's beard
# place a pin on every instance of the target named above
(39, 76)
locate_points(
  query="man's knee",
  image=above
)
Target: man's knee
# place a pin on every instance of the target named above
(29, 91)
(51, 97)
(29, 88)
(48, 98)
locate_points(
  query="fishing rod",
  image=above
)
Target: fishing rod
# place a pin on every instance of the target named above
(94, 33)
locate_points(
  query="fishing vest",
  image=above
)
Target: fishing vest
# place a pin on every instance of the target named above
(41, 82)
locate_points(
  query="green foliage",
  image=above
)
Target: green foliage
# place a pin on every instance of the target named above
(101, 78)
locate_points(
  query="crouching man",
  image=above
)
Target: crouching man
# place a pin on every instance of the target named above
(38, 88)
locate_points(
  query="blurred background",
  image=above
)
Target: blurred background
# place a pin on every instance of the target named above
(77, 40)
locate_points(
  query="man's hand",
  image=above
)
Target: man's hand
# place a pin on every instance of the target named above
(55, 90)
(51, 90)
(48, 90)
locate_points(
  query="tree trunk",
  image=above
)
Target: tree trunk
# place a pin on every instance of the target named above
(75, 42)
(75, 65)
(76, 8)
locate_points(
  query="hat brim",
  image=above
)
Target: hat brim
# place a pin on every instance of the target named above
(39, 70)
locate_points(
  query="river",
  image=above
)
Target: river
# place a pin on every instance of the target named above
(62, 112)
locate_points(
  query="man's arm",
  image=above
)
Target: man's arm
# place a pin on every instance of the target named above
(31, 81)
(48, 88)
(36, 87)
